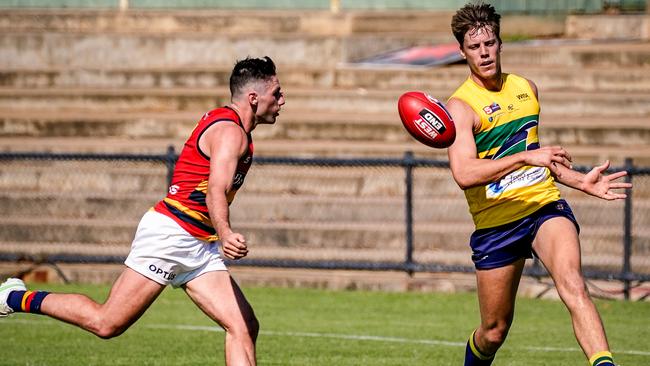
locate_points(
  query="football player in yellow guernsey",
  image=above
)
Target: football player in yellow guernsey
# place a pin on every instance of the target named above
(509, 182)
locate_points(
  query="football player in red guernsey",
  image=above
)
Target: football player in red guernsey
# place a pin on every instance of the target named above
(181, 241)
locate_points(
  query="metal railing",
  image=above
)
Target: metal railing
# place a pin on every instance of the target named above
(409, 163)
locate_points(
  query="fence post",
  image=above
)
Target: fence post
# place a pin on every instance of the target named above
(627, 229)
(409, 162)
(170, 163)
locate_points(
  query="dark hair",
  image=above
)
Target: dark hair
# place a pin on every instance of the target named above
(250, 69)
(474, 16)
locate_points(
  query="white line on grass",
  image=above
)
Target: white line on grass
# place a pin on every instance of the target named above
(340, 336)
(314, 335)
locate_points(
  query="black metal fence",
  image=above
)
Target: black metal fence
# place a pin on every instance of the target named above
(402, 214)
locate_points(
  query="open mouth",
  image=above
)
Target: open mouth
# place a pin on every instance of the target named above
(486, 63)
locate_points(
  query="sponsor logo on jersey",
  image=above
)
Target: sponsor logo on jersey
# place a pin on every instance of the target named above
(159, 271)
(238, 180)
(523, 97)
(492, 108)
(519, 178)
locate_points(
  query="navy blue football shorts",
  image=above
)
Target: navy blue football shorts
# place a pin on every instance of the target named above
(501, 245)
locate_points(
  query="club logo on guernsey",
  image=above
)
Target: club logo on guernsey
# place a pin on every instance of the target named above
(492, 108)
(173, 189)
(165, 274)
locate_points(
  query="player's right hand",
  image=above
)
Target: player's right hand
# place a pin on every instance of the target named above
(548, 156)
(233, 246)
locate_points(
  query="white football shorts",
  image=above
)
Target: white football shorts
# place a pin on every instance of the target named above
(164, 252)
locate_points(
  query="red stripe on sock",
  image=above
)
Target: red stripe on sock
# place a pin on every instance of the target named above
(28, 302)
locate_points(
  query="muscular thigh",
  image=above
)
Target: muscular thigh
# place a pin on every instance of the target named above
(130, 296)
(219, 297)
(557, 245)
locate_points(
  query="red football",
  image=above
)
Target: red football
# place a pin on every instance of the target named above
(426, 119)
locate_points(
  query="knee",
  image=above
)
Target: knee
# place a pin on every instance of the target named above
(573, 290)
(107, 329)
(247, 328)
(495, 334)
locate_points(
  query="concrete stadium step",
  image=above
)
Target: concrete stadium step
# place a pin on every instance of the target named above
(100, 177)
(344, 100)
(225, 21)
(582, 155)
(548, 79)
(305, 235)
(174, 38)
(81, 205)
(301, 125)
(44, 50)
(40, 248)
(76, 177)
(192, 77)
(104, 50)
(104, 145)
(570, 54)
(257, 22)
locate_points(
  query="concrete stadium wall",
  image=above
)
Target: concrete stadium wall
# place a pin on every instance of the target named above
(506, 6)
(606, 26)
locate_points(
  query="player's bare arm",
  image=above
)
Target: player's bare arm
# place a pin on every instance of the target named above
(470, 171)
(594, 182)
(226, 144)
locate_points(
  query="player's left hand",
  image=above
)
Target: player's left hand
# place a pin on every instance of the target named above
(599, 185)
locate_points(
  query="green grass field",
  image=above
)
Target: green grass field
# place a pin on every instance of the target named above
(316, 327)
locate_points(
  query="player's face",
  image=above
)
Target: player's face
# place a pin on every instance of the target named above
(482, 49)
(269, 101)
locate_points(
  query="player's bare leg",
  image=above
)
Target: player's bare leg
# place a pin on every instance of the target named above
(497, 290)
(558, 247)
(131, 294)
(217, 294)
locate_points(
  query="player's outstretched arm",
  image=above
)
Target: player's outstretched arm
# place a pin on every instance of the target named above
(226, 143)
(594, 182)
(470, 171)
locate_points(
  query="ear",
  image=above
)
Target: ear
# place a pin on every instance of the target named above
(463, 54)
(252, 98)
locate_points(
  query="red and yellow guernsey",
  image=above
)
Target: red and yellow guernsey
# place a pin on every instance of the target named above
(185, 201)
(509, 122)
